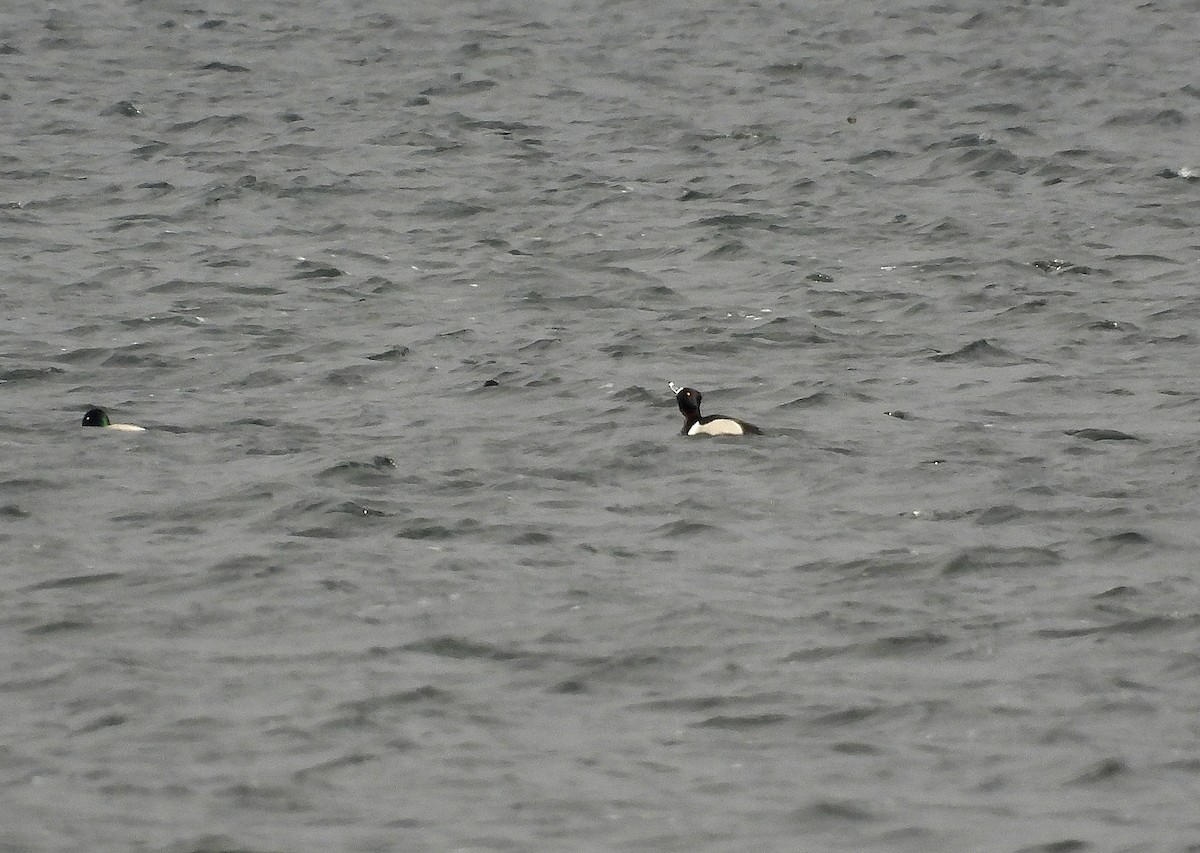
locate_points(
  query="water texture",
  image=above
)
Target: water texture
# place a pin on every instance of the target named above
(412, 556)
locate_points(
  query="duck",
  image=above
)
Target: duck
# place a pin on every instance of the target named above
(696, 424)
(99, 418)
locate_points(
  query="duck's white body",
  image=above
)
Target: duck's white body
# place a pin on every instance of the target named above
(717, 426)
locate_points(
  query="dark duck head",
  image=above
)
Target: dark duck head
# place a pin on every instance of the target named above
(695, 423)
(99, 418)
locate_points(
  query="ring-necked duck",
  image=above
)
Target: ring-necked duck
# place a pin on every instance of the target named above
(696, 424)
(99, 418)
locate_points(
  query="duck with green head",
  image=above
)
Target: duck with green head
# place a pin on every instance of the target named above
(99, 418)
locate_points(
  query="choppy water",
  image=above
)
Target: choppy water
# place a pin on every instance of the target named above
(342, 596)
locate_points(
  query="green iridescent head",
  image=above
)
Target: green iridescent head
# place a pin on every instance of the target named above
(96, 418)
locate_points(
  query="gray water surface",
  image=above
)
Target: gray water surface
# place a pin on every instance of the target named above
(342, 596)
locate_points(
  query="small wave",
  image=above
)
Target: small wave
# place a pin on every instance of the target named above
(29, 374)
(227, 67)
(1102, 771)
(728, 250)
(987, 558)
(450, 646)
(397, 702)
(905, 644)
(1148, 117)
(76, 580)
(812, 401)
(1128, 539)
(212, 123)
(981, 351)
(685, 528)
(1101, 434)
(741, 722)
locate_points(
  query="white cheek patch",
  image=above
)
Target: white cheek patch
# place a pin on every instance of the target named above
(721, 426)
